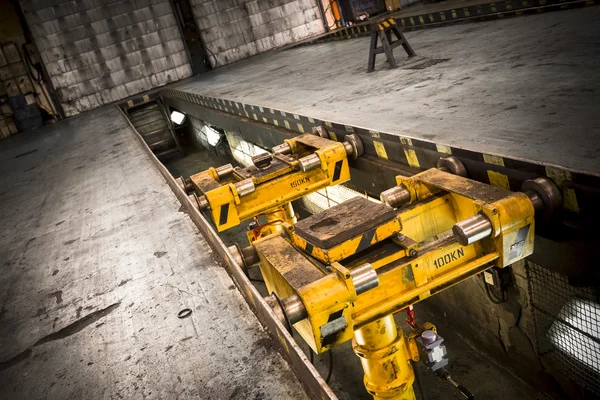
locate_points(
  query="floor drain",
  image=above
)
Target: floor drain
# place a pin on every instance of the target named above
(428, 63)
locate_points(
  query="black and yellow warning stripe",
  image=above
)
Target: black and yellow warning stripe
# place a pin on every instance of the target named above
(501, 9)
(136, 101)
(386, 24)
(580, 190)
(351, 246)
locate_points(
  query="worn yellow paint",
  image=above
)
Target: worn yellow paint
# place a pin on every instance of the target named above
(380, 149)
(443, 149)
(494, 160)
(253, 115)
(406, 141)
(266, 121)
(283, 341)
(560, 177)
(275, 122)
(287, 124)
(499, 179)
(411, 158)
(384, 355)
(300, 127)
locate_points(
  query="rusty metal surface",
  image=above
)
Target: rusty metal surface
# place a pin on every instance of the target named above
(342, 222)
(204, 182)
(295, 269)
(309, 377)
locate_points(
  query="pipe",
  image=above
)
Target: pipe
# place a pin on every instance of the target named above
(364, 277)
(395, 197)
(472, 229)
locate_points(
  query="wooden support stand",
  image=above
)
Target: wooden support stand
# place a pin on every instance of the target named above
(383, 30)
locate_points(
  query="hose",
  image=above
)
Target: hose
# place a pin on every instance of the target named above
(493, 298)
(330, 366)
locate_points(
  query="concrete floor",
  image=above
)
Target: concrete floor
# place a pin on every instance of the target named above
(525, 87)
(470, 367)
(97, 260)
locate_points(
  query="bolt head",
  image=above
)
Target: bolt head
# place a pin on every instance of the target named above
(428, 337)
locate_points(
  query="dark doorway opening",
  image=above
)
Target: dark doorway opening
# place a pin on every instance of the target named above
(191, 35)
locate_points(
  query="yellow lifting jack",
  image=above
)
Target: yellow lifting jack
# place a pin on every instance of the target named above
(342, 274)
(299, 166)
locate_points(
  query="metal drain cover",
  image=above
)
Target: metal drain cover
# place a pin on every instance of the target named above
(428, 63)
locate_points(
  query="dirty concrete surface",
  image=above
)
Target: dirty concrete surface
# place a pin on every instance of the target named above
(525, 87)
(97, 261)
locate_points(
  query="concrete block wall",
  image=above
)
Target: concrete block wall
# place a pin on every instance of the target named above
(100, 51)
(235, 29)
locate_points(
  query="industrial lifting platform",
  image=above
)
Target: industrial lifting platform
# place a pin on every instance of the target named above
(343, 274)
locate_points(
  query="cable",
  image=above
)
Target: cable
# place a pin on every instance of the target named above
(330, 366)
(493, 298)
(418, 382)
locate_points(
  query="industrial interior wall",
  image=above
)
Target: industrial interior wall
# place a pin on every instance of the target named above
(15, 78)
(100, 51)
(235, 29)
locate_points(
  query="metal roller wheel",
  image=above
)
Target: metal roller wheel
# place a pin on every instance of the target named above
(452, 165)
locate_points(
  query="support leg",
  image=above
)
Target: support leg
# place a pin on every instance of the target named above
(372, 53)
(407, 47)
(388, 34)
(384, 356)
(387, 49)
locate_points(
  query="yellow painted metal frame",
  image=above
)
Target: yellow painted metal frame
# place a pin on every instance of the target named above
(422, 261)
(273, 191)
(439, 201)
